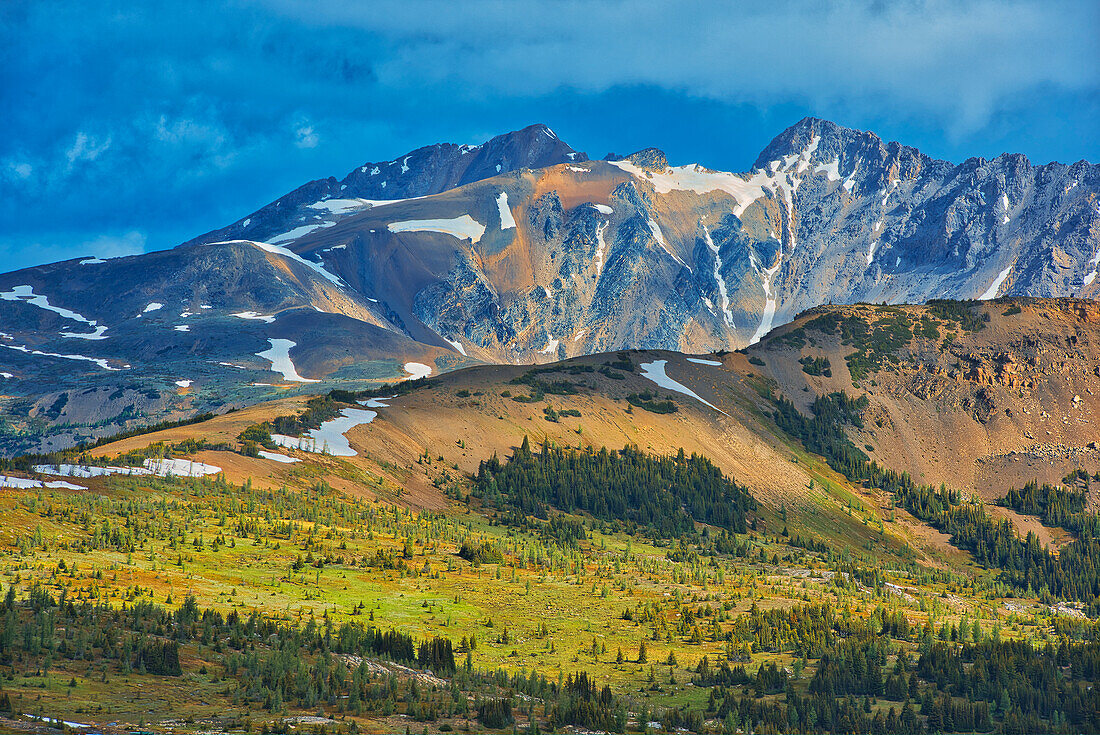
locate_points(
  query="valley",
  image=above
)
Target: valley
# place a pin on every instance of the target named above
(824, 489)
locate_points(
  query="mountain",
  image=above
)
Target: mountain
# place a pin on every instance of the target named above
(981, 396)
(522, 250)
(425, 171)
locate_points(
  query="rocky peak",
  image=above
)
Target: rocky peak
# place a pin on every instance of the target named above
(421, 172)
(649, 159)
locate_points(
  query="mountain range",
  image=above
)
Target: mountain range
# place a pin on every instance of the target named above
(524, 250)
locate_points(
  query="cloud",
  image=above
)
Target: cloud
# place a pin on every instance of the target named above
(305, 137)
(958, 61)
(85, 148)
(175, 118)
(19, 169)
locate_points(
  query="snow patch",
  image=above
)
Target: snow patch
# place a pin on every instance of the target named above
(701, 361)
(830, 169)
(507, 221)
(329, 437)
(464, 227)
(578, 335)
(184, 383)
(24, 483)
(417, 370)
(256, 316)
(660, 238)
(276, 457)
(92, 261)
(602, 208)
(279, 357)
(97, 360)
(77, 470)
(655, 371)
(768, 317)
(991, 292)
(851, 180)
(26, 294)
(600, 246)
(296, 232)
(179, 468)
(154, 306)
(279, 250)
(886, 193)
(159, 467)
(579, 170)
(182, 328)
(550, 348)
(457, 345)
(341, 206)
(727, 315)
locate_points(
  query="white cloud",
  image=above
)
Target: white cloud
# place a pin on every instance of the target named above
(199, 135)
(86, 148)
(953, 59)
(305, 137)
(22, 169)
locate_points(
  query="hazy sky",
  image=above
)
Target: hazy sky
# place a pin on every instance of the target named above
(131, 126)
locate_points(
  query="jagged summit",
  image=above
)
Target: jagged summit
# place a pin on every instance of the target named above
(428, 170)
(649, 159)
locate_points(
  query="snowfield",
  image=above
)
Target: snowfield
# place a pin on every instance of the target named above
(329, 437)
(507, 221)
(254, 315)
(464, 227)
(179, 468)
(781, 175)
(297, 232)
(27, 295)
(417, 370)
(279, 357)
(24, 483)
(655, 371)
(158, 467)
(26, 350)
(290, 254)
(276, 457)
(991, 292)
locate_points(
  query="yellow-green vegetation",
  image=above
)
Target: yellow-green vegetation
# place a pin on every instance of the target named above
(645, 615)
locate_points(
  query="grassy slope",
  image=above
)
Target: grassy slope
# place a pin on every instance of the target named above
(400, 462)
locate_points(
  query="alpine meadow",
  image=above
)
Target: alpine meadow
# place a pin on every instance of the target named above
(500, 436)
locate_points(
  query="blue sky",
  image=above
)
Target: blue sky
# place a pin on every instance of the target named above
(132, 126)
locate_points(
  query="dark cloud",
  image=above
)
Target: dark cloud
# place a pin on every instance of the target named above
(166, 118)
